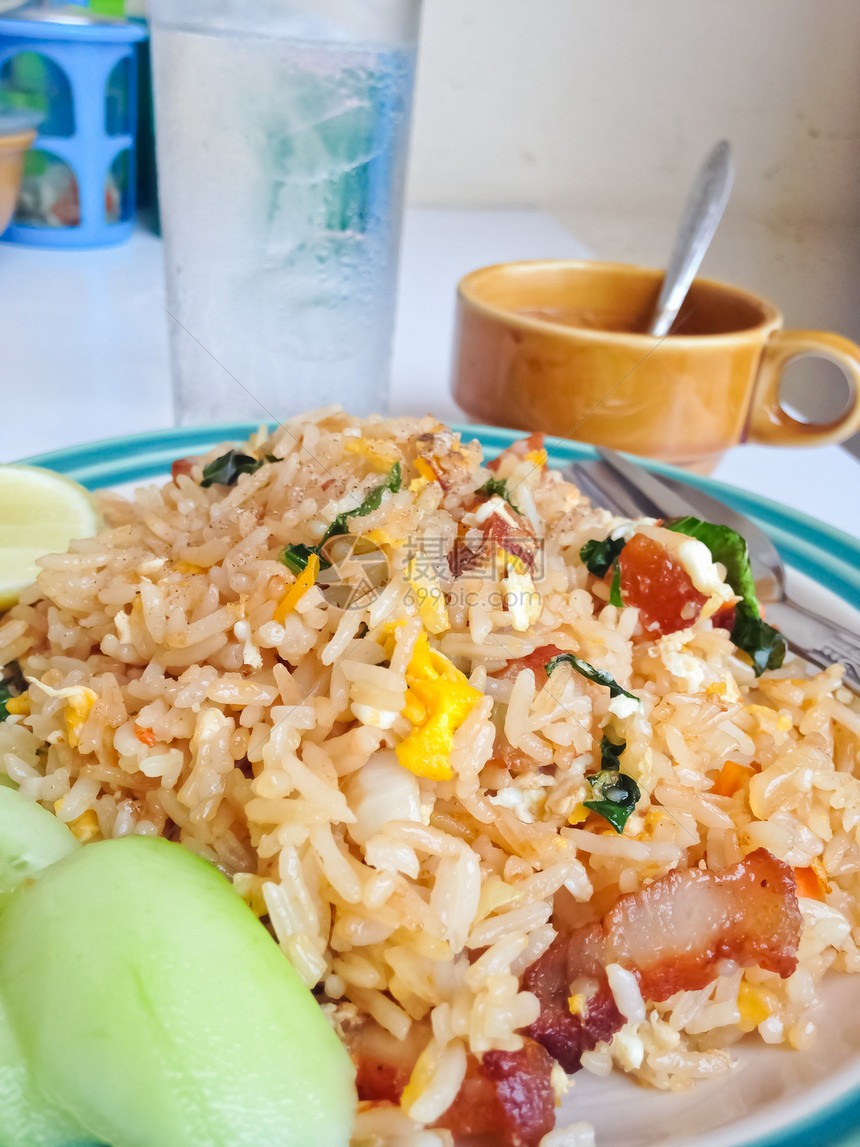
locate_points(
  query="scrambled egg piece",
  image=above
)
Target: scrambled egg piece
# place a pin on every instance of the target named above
(426, 475)
(768, 718)
(752, 1005)
(521, 597)
(425, 469)
(524, 803)
(727, 689)
(85, 827)
(494, 893)
(623, 707)
(79, 701)
(628, 1048)
(380, 455)
(382, 537)
(422, 1074)
(438, 701)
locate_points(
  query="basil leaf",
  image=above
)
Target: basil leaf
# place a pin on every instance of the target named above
(295, 558)
(726, 546)
(762, 643)
(599, 558)
(598, 555)
(371, 502)
(616, 794)
(617, 814)
(598, 676)
(497, 487)
(615, 597)
(225, 470)
(610, 753)
(12, 684)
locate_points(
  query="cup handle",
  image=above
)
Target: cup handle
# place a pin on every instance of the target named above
(770, 422)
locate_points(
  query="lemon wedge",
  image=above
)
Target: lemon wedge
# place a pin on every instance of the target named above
(40, 513)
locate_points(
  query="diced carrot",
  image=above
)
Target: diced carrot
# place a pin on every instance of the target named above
(145, 736)
(809, 883)
(732, 778)
(298, 589)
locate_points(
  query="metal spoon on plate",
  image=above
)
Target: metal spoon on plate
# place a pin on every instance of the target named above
(703, 211)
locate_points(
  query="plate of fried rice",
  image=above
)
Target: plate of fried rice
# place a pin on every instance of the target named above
(538, 806)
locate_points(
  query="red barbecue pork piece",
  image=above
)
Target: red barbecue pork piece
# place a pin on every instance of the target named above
(673, 935)
(506, 1096)
(659, 586)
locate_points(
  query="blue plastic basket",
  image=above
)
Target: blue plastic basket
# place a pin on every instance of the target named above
(79, 131)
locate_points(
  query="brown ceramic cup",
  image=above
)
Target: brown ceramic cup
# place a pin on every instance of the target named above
(559, 346)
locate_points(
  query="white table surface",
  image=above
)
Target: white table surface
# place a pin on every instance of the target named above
(83, 347)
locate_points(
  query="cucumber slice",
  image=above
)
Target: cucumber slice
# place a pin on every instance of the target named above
(31, 838)
(154, 1006)
(27, 1118)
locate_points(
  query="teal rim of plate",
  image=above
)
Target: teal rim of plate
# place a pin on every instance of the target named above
(825, 554)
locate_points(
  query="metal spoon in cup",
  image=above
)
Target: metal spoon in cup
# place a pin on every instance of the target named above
(702, 213)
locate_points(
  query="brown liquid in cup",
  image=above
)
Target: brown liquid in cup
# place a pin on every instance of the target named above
(589, 320)
(705, 312)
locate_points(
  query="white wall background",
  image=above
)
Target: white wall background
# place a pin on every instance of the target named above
(600, 111)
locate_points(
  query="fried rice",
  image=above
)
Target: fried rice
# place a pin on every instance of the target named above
(370, 747)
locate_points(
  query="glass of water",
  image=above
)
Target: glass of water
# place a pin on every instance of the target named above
(282, 130)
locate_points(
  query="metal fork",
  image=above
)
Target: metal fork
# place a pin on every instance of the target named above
(627, 489)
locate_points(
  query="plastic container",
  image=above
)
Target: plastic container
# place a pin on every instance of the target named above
(79, 71)
(282, 132)
(17, 132)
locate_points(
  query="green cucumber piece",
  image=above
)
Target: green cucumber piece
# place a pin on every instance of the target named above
(27, 1117)
(31, 838)
(153, 1005)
